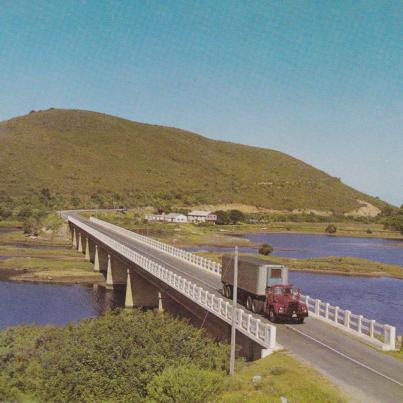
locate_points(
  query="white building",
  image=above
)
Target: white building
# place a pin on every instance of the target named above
(176, 218)
(202, 216)
(155, 217)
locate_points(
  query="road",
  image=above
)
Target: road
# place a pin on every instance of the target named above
(362, 372)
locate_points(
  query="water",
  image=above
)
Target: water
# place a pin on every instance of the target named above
(307, 246)
(32, 303)
(375, 298)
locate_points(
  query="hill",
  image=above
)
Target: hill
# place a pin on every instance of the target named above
(89, 158)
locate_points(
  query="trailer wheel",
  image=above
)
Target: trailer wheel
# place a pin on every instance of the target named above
(249, 303)
(228, 291)
(257, 306)
(272, 316)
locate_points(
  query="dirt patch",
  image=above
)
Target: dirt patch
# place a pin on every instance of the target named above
(366, 210)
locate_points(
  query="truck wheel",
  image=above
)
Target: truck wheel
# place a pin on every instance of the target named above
(249, 303)
(257, 306)
(272, 316)
(301, 320)
(228, 291)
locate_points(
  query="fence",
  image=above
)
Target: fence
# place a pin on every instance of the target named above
(262, 333)
(374, 332)
(179, 253)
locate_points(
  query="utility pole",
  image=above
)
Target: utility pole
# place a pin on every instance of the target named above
(234, 304)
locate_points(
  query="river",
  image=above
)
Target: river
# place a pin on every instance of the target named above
(375, 298)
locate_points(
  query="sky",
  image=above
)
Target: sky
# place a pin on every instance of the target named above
(319, 80)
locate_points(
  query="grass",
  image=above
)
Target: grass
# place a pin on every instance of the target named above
(58, 264)
(396, 354)
(92, 158)
(328, 265)
(282, 376)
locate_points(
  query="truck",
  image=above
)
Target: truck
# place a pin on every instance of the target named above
(263, 288)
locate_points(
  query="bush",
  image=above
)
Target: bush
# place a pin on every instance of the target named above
(236, 216)
(265, 249)
(222, 217)
(112, 358)
(31, 226)
(331, 229)
(184, 384)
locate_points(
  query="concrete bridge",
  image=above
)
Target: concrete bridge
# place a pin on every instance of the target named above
(153, 273)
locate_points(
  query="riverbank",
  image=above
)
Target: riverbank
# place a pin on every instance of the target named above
(346, 266)
(198, 233)
(48, 258)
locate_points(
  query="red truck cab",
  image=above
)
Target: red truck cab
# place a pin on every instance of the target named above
(283, 303)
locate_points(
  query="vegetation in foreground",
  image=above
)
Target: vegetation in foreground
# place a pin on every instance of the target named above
(140, 356)
(276, 376)
(87, 159)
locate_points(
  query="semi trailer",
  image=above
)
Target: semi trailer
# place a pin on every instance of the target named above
(263, 288)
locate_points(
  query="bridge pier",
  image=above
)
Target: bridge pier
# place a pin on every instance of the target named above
(115, 273)
(96, 259)
(87, 249)
(80, 243)
(141, 293)
(74, 238)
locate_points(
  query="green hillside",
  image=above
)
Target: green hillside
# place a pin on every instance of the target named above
(88, 158)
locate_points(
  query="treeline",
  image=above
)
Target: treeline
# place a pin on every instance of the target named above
(394, 219)
(122, 356)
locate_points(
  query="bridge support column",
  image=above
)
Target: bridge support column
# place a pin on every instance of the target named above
(74, 238)
(109, 279)
(87, 249)
(80, 243)
(160, 302)
(96, 259)
(115, 273)
(141, 293)
(129, 292)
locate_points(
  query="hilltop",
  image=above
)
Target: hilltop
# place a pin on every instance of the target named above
(87, 158)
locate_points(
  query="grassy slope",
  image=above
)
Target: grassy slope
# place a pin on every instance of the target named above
(282, 376)
(85, 152)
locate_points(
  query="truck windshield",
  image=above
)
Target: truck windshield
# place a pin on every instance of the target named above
(285, 291)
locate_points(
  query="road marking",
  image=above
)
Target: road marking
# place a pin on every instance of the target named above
(346, 356)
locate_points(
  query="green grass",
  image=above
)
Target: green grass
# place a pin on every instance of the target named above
(282, 375)
(329, 265)
(83, 154)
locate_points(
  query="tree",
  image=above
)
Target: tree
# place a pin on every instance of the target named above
(25, 212)
(222, 217)
(184, 384)
(331, 229)
(265, 249)
(236, 216)
(31, 226)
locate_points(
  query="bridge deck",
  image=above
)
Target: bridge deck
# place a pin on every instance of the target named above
(367, 374)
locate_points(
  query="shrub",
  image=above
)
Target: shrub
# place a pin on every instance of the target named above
(331, 229)
(265, 249)
(184, 384)
(222, 217)
(112, 358)
(236, 216)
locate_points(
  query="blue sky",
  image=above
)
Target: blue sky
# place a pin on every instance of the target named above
(320, 80)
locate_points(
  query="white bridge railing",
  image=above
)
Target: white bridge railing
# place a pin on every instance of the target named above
(179, 253)
(262, 333)
(381, 335)
(374, 332)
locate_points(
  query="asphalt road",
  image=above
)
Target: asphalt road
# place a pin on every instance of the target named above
(362, 372)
